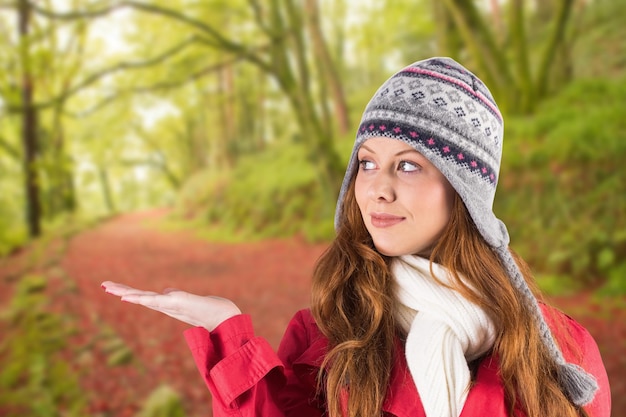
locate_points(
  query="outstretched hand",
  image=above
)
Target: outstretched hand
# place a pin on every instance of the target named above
(196, 310)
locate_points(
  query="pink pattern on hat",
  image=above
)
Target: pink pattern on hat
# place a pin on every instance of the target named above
(466, 87)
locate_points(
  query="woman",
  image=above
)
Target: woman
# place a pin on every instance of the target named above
(419, 308)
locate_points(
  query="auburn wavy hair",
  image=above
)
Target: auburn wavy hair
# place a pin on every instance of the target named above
(352, 303)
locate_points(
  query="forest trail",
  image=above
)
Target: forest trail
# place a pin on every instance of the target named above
(270, 280)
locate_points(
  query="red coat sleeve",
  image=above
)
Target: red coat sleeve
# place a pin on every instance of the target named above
(246, 377)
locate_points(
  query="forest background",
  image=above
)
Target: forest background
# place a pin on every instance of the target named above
(238, 116)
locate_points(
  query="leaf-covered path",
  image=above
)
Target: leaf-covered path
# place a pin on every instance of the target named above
(123, 352)
(269, 280)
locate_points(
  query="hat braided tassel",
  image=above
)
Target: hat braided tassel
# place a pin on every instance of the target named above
(578, 385)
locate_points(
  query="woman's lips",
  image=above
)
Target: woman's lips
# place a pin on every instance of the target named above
(385, 220)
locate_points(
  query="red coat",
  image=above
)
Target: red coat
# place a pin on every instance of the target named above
(247, 378)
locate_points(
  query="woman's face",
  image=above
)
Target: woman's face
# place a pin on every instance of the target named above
(404, 200)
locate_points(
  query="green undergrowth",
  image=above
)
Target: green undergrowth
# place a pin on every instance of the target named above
(563, 188)
(164, 401)
(11, 236)
(270, 194)
(599, 49)
(14, 235)
(116, 350)
(34, 379)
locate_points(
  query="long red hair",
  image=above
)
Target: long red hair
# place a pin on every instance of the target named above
(353, 304)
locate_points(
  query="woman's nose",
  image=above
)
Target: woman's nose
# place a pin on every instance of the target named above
(382, 188)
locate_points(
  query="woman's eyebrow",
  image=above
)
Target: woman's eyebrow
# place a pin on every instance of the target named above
(397, 154)
(408, 151)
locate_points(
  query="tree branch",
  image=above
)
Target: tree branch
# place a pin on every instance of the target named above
(10, 149)
(107, 71)
(160, 163)
(258, 16)
(220, 40)
(164, 85)
(75, 15)
(217, 39)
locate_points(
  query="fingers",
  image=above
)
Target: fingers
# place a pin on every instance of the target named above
(122, 290)
(178, 305)
(154, 301)
(170, 302)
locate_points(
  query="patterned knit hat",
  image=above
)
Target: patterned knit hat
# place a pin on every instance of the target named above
(448, 115)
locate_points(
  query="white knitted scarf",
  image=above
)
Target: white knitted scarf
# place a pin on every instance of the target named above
(444, 332)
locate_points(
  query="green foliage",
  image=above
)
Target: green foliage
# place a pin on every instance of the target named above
(563, 191)
(34, 380)
(269, 194)
(13, 231)
(163, 402)
(600, 50)
(616, 283)
(118, 353)
(12, 234)
(557, 285)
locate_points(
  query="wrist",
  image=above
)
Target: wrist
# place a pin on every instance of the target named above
(225, 314)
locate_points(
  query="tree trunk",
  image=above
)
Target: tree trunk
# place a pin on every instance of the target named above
(555, 41)
(544, 10)
(29, 127)
(525, 100)
(62, 170)
(319, 135)
(447, 34)
(488, 53)
(106, 189)
(328, 67)
(224, 134)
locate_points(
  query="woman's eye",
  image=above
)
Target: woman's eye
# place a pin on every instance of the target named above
(366, 165)
(406, 166)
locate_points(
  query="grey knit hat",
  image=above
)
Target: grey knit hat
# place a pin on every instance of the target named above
(448, 115)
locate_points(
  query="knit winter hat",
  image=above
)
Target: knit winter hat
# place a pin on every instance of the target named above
(449, 116)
